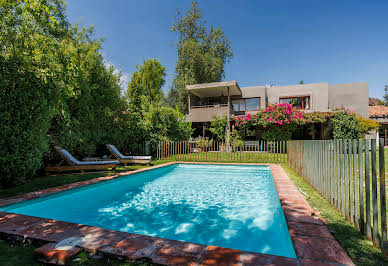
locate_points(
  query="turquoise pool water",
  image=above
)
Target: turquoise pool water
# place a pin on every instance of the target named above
(222, 205)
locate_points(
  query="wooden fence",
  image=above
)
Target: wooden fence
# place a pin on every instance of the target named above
(345, 173)
(216, 151)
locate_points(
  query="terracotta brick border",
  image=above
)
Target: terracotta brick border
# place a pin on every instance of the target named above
(313, 243)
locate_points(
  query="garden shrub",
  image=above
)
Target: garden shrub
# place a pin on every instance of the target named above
(345, 126)
(205, 143)
(279, 121)
(166, 123)
(24, 121)
(367, 125)
(218, 127)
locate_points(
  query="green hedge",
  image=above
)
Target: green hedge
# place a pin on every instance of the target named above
(24, 121)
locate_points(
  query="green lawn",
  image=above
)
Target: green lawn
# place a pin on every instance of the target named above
(240, 157)
(23, 254)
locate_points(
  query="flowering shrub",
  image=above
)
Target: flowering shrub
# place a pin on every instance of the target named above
(278, 115)
(243, 121)
(316, 117)
(279, 121)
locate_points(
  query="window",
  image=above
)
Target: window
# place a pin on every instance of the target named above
(252, 104)
(302, 102)
(238, 105)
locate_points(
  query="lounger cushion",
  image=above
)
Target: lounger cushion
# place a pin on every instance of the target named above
(98, 162)
(115, 151)
(73, 160)
(68, 156)
(123, 157)
(136, 157)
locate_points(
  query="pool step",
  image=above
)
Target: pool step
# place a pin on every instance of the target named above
(54, 254)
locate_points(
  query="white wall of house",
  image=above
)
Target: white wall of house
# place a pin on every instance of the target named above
(353, 96)
(318, 93)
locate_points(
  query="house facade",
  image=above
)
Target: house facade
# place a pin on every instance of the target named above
(379, 113)
(227, 98)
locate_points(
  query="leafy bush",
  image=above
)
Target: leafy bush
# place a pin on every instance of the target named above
(24, 121)
(166, 123)
(367, 125)
(279, 121)
(345, 126)
(218, 127)
(205, 143)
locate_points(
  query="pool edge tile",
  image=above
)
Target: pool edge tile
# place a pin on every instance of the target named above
(311, 243)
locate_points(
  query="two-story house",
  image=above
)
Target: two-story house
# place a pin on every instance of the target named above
(227, 98)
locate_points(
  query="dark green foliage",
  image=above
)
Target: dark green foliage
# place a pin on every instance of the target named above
(146, 83)
(218, 127)
(345, 126)
(165, 123)
(276, 133)
(56, 90)
(92, 115)
(202, 54)
(24, 121)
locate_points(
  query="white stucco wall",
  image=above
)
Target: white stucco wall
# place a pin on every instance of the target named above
(318, 93)
(353, 96)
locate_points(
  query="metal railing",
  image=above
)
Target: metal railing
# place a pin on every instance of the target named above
(345, 173)
(217, 151)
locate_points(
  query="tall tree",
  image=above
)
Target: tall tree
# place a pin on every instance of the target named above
(54, 89)
(146, 83)
(202, 53)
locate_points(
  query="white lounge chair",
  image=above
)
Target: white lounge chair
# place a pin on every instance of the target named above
(128, 159)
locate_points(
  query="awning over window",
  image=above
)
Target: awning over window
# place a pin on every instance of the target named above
(214, 89)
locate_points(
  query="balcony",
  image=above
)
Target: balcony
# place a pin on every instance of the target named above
(205, 113)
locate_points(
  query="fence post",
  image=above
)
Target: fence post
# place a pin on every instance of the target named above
(361, 188)
(367, 193)
(383, 209)
(355, 185)
(375, 235)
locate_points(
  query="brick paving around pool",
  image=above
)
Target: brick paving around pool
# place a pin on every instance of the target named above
(313, 243)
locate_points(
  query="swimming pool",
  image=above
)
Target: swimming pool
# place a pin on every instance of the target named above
(232, 206)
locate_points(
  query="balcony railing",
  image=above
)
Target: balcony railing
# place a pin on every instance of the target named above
(209, 106)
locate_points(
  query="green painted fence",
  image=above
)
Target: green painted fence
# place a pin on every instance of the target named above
(349, 175)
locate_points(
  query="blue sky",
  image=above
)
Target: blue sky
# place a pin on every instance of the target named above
(274, 42)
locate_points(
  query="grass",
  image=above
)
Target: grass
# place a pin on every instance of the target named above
(23, 254)
(236, 157)
(359, 249)
(44, 182)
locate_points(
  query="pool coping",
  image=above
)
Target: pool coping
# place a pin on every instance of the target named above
(312, 241)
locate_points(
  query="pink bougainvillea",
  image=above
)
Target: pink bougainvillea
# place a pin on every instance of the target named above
(243, 120)
(279, 114)
(280, 120)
